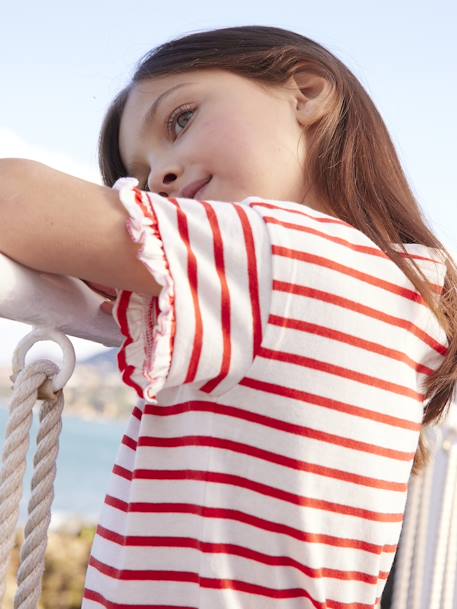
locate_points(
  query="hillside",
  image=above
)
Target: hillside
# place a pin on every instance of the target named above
(95, 390)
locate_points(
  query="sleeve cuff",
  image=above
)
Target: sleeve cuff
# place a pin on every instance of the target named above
(148, 323)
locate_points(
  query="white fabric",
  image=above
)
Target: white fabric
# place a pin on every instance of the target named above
(266, 462)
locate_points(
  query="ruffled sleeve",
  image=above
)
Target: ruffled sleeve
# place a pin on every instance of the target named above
(213, 261)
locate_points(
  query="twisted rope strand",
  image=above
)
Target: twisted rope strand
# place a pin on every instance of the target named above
(450, 587)
(436, 601)
(25, 392)
(405, 582)
(422, 530)
(406, 547)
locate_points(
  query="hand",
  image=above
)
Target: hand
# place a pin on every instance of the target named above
(107, 307)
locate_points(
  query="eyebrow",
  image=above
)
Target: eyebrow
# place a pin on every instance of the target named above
(152, 111)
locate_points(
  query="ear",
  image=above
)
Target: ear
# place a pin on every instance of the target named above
(312, 94)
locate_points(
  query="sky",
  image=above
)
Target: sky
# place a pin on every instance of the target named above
(62, 63)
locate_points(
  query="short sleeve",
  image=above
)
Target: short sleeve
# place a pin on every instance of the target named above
(213, 261)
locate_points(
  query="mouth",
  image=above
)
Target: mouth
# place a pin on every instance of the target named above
(201, 189)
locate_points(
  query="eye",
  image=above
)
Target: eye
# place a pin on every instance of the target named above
(176, 115)
(170, 123)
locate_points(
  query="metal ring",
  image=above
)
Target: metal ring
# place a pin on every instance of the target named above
(39, 334)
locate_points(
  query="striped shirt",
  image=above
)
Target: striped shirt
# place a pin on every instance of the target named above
(279, 381)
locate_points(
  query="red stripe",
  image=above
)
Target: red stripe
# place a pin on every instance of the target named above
(214, 583)
(225, 300)
(331, 220)
(350, 339)
(366, 249)
(347, 270)
(300, 430)
(137, 413)
(324, 220)
(349, 443)
(193, 284)
(92, 595)
(249, 519)
(356, 247)
(265, 455)
(332, 404)
(127, 370)
(129, 442)
(256, 487)
(340, 371)
(253, 279)
(141, 203)
(260, 419)
(352, 305)
(236, 550)
(154, 309)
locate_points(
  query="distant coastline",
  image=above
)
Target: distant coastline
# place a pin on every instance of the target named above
(86, 455)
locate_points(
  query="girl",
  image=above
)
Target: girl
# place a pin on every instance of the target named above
(287, 316)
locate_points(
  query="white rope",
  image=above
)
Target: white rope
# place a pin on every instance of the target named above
(426, 481)
(415, 565)
(449, 589)
(444, 528)
(37, 381)
(405, 549)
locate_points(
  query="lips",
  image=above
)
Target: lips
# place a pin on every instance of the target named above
(193, 188)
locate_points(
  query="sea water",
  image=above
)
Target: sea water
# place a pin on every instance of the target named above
(87, 451)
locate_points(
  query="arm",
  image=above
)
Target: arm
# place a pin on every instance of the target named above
(56, 223)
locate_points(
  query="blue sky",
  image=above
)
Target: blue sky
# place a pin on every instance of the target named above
(63, 62)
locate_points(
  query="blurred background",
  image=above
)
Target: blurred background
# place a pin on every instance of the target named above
(62, 63)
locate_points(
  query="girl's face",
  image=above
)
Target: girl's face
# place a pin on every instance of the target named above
(245, 137)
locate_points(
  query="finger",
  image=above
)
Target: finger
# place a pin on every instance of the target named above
(107, 307)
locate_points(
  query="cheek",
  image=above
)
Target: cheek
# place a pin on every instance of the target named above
(232, 148)
(220, 134)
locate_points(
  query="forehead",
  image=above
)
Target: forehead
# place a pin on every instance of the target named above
(223, 83)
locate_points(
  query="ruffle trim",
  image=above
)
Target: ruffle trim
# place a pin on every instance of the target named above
(144, 360)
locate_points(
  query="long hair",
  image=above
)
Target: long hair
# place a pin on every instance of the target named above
(351, 162)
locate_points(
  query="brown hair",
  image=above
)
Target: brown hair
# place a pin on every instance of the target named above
(351, 161)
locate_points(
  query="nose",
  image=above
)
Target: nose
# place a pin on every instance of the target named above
(157, 184)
